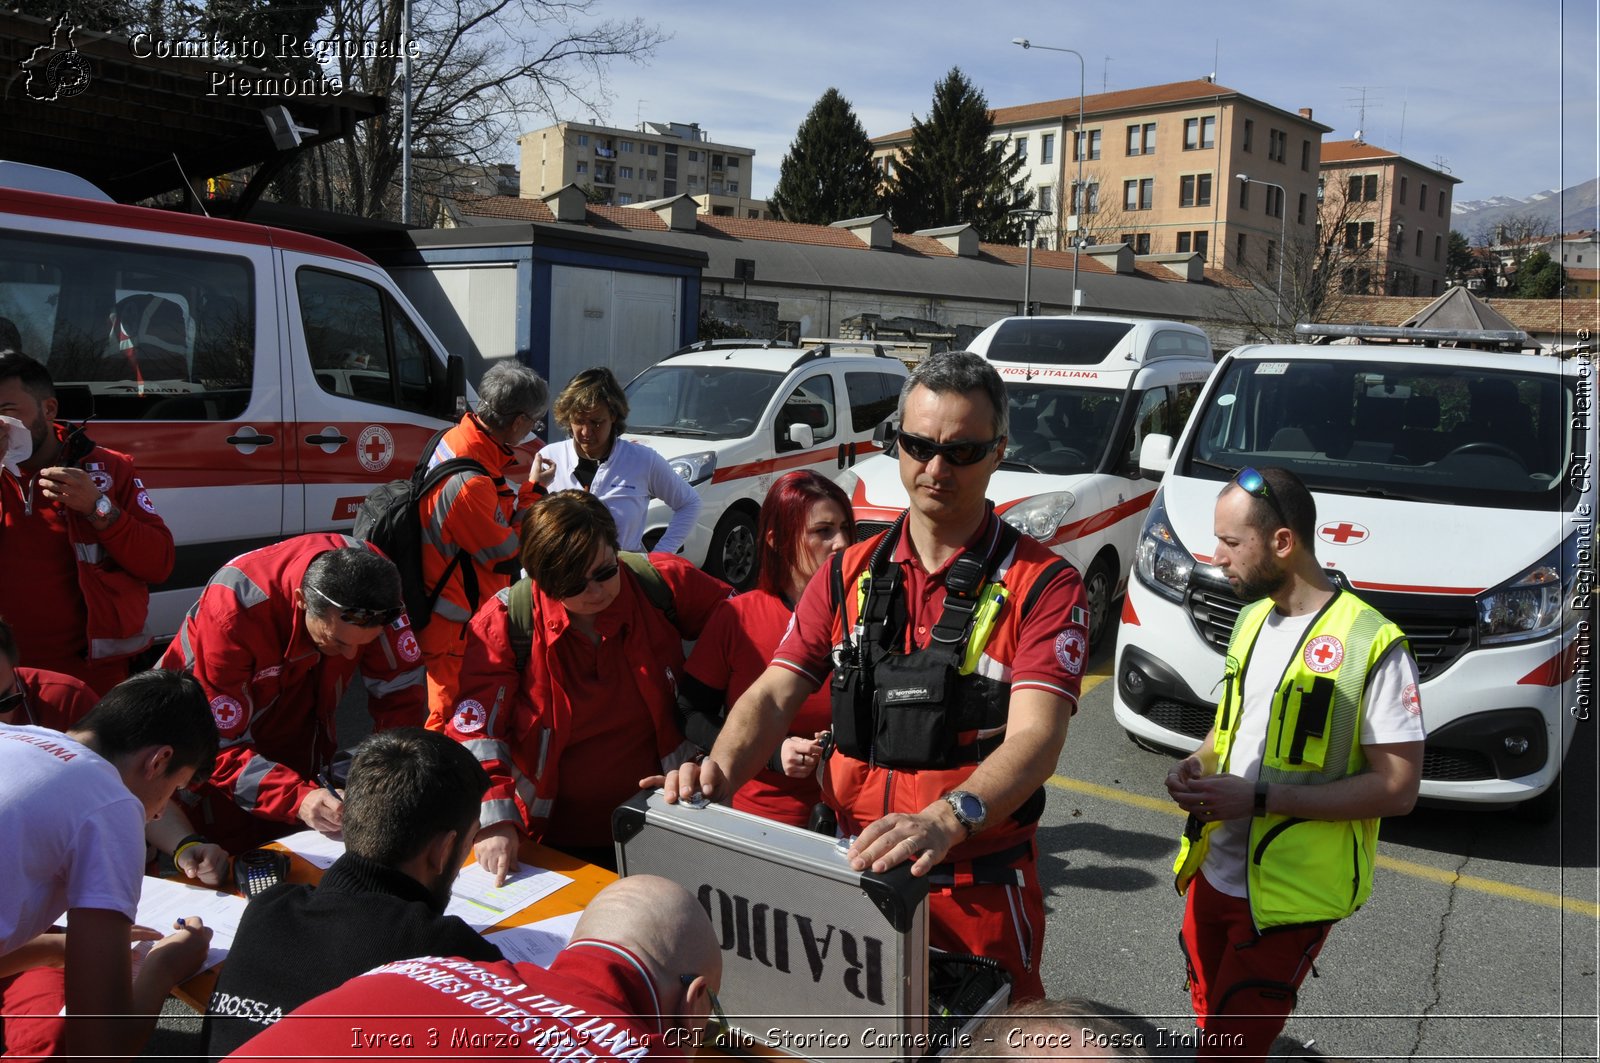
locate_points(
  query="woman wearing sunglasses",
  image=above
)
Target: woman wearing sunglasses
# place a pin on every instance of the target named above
(805, 519)
(569, 681)
(624, 475)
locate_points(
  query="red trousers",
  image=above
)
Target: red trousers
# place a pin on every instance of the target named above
(1243, 984)
(1004, 922)
(31, 1001)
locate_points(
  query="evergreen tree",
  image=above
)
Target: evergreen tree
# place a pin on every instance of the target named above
(1541, 277)
(951, 173)
(828, 173)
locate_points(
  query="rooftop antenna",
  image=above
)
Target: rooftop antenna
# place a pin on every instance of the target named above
(1360, 104)
(1441, 164)
(638, 115)
(1399, 148)
(1105, 69)
(1216, 52)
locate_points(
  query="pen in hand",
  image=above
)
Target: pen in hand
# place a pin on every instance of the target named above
(327, 784)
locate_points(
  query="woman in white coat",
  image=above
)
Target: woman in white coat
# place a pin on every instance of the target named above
(622, 474)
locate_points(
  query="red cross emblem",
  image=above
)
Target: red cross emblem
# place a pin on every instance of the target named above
(375, 448)
(1342, 533)
(1324, 653)
(470, 717)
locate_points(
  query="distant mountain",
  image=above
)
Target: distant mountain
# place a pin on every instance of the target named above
(1563, 211)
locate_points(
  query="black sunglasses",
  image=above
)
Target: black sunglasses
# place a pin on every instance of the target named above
(1253, 483)
(718, 1020)
(968, 452)
(365, 617)
(599, 575)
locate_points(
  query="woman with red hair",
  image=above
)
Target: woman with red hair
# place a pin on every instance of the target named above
(805, 519)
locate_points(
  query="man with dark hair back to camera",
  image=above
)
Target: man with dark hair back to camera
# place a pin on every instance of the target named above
(410, 814)
(84, 857)
(275, 639)
(1319, 729)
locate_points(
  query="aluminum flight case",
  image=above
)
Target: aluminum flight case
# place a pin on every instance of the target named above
(820, 961)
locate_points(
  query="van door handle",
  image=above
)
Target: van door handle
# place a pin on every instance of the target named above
(254, 439)
(327, 440)
(841, 455)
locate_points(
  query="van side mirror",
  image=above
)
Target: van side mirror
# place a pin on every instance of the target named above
(884, 434)
(453, 400)
(1155, 455)
(802, 436)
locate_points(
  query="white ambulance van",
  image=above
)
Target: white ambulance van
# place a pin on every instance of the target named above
(1083, 392)
(263, 381)
(731, 416)
(1454, 494)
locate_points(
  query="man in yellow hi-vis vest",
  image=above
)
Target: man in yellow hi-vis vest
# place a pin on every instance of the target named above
(1318, 735)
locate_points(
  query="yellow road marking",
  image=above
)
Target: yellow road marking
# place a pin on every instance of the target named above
(1493, 887)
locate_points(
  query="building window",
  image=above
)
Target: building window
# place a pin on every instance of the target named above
(1356, 281)
(733, 188)
(1077, 197)
(1047, 198)
(1244, 195)
(582, 167)
(583, 140)
(1357, 235)
(1419, 243)
(1277, 145)
(1239, 249)
(1194, 190)
(1438, 242)
(1274, 201)
(652, 149)
(1422, 196)
(694, 156)
(624, 199)
(1272, 253)
(1020, 146)
(1142, 139)
(626, 172)
(1140, 194)
(1363, 188)
(1249, 133)
(1305, 155)
(627, 147)
(1441, 203)
(1199, 133)
(1300, 210)
(1193, 243)
(1140, 242)
(1403, 183)
(753, 214)
(733, 162)
(650, 175)
(1090, 141)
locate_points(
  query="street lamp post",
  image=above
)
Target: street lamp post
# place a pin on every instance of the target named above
(1030, 217)
(1079, 195)
(1283, 223)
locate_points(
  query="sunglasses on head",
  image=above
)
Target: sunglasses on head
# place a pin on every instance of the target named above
(968, 452)
(1252, 482)
(365, 617)
(719, 1019)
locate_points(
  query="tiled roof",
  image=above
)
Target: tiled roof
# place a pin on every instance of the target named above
(1535, 316)
(1123, 99)
(1583, 273)
(1335, 152)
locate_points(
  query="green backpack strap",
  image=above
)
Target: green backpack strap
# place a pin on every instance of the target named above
(519, 617)
(655, 588)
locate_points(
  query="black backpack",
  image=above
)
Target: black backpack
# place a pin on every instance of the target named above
(388, 518)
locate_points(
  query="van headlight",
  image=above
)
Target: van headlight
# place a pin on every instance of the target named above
(696, 468)
(1160, 561)
(1041, 515)
(1532, 604)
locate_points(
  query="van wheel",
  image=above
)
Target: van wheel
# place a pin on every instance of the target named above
(732, 556)
(1098, 587)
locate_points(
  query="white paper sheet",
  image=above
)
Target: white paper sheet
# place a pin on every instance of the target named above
(163, 902)
(476, 900)
(315, 847)
(537, 942)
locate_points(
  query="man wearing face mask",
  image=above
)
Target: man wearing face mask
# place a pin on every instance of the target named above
(276, 638)
(469, 526)
(80, 537)
(411, 811)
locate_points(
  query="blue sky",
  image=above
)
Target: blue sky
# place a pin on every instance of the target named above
(1503, 92)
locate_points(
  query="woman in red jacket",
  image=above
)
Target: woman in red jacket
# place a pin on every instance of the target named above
(804, 520)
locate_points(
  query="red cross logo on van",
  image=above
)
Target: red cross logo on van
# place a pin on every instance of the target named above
(375, 448)
(1342, 533)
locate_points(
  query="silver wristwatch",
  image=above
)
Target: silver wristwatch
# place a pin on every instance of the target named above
(969, 808)
(102, 507)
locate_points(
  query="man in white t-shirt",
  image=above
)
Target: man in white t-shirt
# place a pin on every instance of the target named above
(1318, 735)
(72, 813)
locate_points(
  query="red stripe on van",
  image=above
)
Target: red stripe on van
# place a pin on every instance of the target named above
(1556, 670)
(147, 219)
(865, 449)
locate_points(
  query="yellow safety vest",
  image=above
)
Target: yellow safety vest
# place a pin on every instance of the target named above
(1304, 870)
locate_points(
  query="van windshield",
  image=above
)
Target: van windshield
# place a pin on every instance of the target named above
(1058, 340)
(711, 401)
(1060, 430)
(1433, 433)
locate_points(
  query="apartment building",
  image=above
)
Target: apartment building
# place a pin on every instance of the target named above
(658, 160)
(1160, 167)
(1397, 208)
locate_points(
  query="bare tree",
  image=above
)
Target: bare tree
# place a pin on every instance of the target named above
(1323, 268)
(480, 69)
(1101, 217)
(1512, 240)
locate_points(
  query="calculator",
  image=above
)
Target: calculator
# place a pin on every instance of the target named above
(259, 870)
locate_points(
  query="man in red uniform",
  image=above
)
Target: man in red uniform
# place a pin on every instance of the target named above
(80, 537)
(943, 743)
(474, 515)
(40, 699)
(639, 979)
(275, 639)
